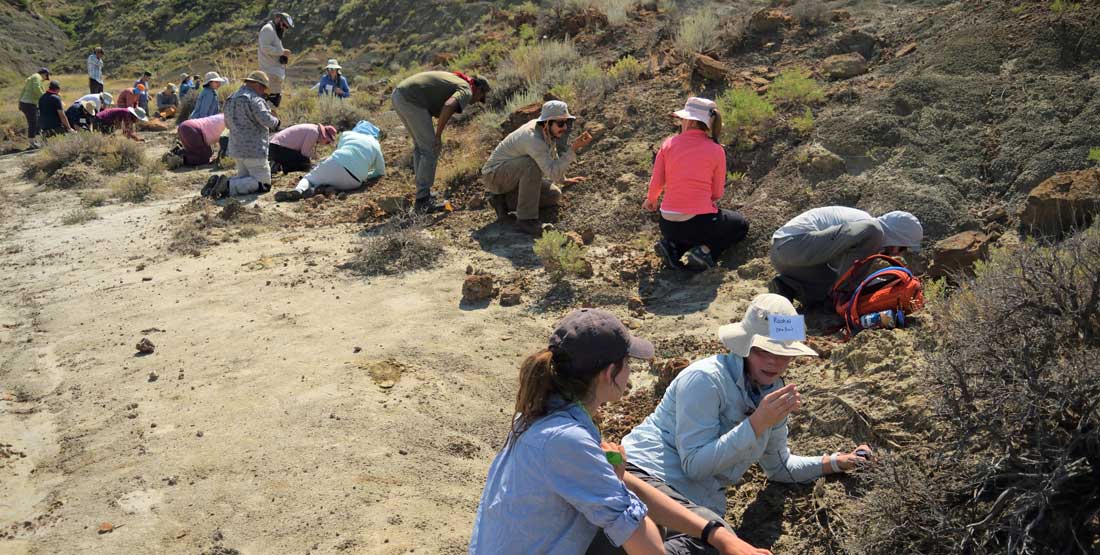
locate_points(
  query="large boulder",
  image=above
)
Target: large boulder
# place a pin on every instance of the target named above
(521, 116)
(844, 66)
(1061, 203)
(710, 69)
(856, 40)
(477, 288)
(817, 163)
(958, 253)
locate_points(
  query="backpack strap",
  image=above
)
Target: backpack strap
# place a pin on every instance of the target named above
(897, 271)
(894, 262)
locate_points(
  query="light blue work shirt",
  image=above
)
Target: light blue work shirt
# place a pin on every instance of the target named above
(699, 439)
(552, 490)
(360, 154)
(207, 104)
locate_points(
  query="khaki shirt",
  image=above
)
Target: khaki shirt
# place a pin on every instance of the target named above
(528, 141)
(271, 47)
(431, 90)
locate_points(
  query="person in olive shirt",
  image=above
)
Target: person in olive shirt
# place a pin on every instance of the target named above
(33, 89)
(51, 112)
(418, 99)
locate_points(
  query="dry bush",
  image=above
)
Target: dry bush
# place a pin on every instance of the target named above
(1015, 371)
(536, 66)
(401, 245)
(560, 256)
(810, 13)
(627, 69)
(343, 114)
(187, 104)
(78, 216)
(698, 32)
(139, 186)
(108, 153)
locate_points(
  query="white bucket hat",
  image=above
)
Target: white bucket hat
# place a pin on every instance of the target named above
(901, 229)
(332, 64)
(555, 109)
(184, 76)
(753, 329)
(138, 113)
(213, 76)
(697, 109)
(106, 98)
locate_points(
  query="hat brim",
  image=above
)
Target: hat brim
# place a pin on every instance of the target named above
(247, 80)
(219, 79)
(782, 348)
(640, 348)
(739, 342)
(735, 338)
(334, 67)
(569, 117)
(684, 114)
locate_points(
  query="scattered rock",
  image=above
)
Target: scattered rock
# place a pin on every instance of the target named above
(906, 50)
(510, 296)
(632, 323)
(1063, 202)
(575, 238)
(140, 267)
(394, 204)
(628, 275)
(198, 433)
(818, 163)
(857, 41)
(356, 349)
(769, 21)
(588, 235)
(153, 376)
(146, 278)
(521, 116)
(230, 210)
(477, 288)
(105, 528)
(145, 346)
(844, 66)
(958, 253)
(839, 15)
(587, 271)
(710, 69)
(597, 130)
(668, 372)
(636, 304)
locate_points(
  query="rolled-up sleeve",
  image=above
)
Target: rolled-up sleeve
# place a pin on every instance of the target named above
(581, 475)
(780, 465)
(704, 451)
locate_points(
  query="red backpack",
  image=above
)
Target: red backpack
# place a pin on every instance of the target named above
(890, 288)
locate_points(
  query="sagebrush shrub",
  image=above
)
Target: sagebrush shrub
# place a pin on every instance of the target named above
(539, 64)
(628, 68)
(743, 110)
(109, 153)
(698, 32)
(401, 245)
(559, 255)
(804, 123)
(795, 85)
(78, 216)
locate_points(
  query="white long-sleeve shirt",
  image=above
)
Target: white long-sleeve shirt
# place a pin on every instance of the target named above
(271, 47)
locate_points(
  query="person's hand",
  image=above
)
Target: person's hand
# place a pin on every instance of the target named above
(774, 407)
(583, 141)
(286, 52)
(729, 544)
(620, 469)
(574, 180)
(851, 461)
(437, 145)
(649, 205)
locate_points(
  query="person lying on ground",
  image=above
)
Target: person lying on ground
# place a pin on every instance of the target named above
(814, 249)
(51, 112)
(553, 488)
(168, 101)
(690, 169)
(292, 148)
(101, 100)
(129, 98)
(81, 115)
(208, 103)
(187, 83)
(250, 123)
(195, 140)
(521, 172)
(418, 99)
(106, 121)
(333, 83)
(357, 159)
(722, 414)
(33, 89)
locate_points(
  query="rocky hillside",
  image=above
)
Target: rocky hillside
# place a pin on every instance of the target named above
(30, 40)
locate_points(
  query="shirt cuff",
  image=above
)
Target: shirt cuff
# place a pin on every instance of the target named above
(627, 522)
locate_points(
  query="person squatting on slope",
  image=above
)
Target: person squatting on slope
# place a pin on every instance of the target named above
(815, 248)
(292, 148)
(521, 172)
(357, 158)
(553, 489)
(273, 57)
(418, 99)
(333, 82)
(690, 169)
(250, 124)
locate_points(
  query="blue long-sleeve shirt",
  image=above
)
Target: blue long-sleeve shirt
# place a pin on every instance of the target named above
(360, 154)
(207, 105)
(552, 490)
(699, 439)
(339, 86)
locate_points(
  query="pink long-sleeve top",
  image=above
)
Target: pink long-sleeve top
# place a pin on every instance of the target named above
(302, 137)
(691, 170)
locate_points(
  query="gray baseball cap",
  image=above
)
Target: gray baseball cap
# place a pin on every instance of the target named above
(589, 339)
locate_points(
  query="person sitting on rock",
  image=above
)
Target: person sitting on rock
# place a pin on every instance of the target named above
(292, 148)
(522, 169)
(208, 103)
(555, 486)
(195, 140)
(723, 414)
(106, 121)
(814, 249)
(168, 102)
(333, 83)
(250, 122)
(81, 115)
(690, 169)
(357, 158)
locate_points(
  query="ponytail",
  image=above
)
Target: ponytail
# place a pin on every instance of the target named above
(540, 377)
(716, 126)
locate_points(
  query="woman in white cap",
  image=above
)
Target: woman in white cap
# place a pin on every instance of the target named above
(690, 169)
(521, 172)
(555, 487)
(722, 414)
(208, 103)
(333, 83)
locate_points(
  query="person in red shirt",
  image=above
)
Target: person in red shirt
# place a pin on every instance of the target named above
(690, 170)
(129, 98)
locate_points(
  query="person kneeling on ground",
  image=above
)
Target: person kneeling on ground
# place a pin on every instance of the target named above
(553, 488)
(691, 170)
(250, 123)
(722, 414)
(168, 102)
(99, 100)
(522, 168)
(814, 249)
(51, 112)
(357, 158)
(107, 120)
(292, 148)
(195, 139)
(81, 114)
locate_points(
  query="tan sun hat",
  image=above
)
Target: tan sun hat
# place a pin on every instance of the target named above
(753, 329)
(89, 107)
(258, 77)
(213, 76)
(332, 64)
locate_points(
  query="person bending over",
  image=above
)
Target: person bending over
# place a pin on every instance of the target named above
(357, 158)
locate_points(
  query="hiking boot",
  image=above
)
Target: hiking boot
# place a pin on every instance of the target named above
(699, 260)
(263, 188)
(221, 187)
(530, 227)
(288, 196)
(668, 252)
(209, 187)
(277, 168)
(500, 206)
(427, 205)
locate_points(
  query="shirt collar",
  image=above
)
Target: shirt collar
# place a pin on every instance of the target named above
(575, 410)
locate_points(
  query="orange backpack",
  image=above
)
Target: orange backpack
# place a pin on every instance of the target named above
(891, 288)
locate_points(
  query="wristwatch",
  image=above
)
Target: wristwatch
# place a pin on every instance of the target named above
(708, 530)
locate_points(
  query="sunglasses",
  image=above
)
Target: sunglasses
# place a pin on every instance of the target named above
(561, 122)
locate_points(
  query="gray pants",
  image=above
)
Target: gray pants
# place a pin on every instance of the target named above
(330, 173)
(520, 180)
(810, 263)
(251, 173)
(675, 542)
(418, 122)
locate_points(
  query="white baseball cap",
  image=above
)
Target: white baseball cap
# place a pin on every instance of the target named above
(753, 329)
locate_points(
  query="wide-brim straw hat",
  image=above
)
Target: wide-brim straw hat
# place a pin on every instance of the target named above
(697, 109)
(753, 330)
(213, 76)
(258, 77)
(555, 110)
(139, 113)
(333, 64)
(89, 107)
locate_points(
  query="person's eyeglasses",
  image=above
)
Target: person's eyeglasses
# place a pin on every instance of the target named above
(561, 122)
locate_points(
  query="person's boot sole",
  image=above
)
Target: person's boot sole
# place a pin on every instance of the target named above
(662, 251)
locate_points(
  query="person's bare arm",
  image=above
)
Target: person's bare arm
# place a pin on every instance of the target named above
(646, 540)
(449, 109)
(65, 120)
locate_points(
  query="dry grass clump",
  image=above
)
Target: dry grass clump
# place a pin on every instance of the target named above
(305, 106)
(139, 186)
(698, 32)
(539, 64)
(78, 216)
(400, 245)
(107, 153)
(810, 13)
(1018, 467)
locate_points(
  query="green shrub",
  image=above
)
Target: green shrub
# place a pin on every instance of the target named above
(78, 216)
(539, 64)
(1094, 154)
(698, 32)
(560, 256)
(628, 68)
(564, 91)
(743, 110)
(1062, 6)
(804, 123)
(795, 85)
(589, 81)
(527, 33)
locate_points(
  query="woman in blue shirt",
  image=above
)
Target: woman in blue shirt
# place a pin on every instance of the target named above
(208, 103)
(553, 489)
(333, 82)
